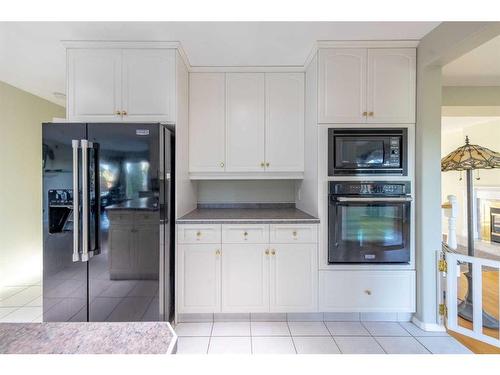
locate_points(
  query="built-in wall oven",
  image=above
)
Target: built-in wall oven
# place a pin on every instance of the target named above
(369, 222)
(357, 152)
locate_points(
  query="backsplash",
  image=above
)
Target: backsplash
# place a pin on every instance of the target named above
(246, 191)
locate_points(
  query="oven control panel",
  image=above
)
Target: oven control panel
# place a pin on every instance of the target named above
(369, 188)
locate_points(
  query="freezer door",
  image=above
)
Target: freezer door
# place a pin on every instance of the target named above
(64, 275)
(124, 275)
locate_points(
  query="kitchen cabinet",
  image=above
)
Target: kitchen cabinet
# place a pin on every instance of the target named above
(245, 278)
(245, 122)
(254, 274)
(391, 85)
(94, 85)
(284, 122)
(207, 103)
(198, 282)
(293, 278)
(367, 85)
(246, 125)
(367, 291)
(121, 84)
(342, 85)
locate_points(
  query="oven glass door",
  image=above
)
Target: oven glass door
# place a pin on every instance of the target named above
(369, 231)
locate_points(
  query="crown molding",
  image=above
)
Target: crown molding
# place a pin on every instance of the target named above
(248, 69)
(120, 44)
(367, 43)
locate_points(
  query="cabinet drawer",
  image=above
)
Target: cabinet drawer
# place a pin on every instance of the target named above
(294, 233)
(209, 233)
(367, 291)
(245, 233)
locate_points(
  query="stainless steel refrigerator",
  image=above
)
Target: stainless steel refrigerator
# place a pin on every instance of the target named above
(108, 232)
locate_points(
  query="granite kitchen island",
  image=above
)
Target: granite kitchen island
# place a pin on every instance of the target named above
(88, 338)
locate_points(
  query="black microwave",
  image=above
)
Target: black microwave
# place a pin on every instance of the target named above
(367, 152)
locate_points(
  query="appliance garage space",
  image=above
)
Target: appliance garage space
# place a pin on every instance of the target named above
(238, 209)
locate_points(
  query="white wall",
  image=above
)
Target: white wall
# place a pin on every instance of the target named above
(246, 191)
(21, 116)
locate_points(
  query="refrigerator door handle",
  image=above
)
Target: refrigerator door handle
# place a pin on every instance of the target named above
(85, 200)
(76, 202)
(97, 200)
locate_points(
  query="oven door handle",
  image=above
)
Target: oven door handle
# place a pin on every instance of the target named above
(374, 199)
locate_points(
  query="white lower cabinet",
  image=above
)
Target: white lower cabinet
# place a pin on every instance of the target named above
(245, 278)
(293, 278)
(199, 278)
(367, 291)
(248, 273)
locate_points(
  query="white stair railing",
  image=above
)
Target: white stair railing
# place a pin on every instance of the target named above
(450, 209)
(453, 261)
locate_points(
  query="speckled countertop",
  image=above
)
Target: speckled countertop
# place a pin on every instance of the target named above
(246, 215)
(87, 338)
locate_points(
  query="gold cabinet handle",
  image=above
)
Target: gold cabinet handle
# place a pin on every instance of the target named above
(222, 164)
(368, 292)
(198, 235)
(124, 113)
(267, 251)
(118, 113)
(262, 164)
(365, 113)
(267, 164)
(370, 114)
(217, 252)
(273, 252)
(294, 233)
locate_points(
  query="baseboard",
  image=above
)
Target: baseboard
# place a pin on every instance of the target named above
(430, 327)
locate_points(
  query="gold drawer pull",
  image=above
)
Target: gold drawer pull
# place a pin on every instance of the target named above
(368, 292)
(118, 113)
(273, 252)
(365, 113)
(267, 251)
(294, 233)
(262, 164)
(370, 114)
(267, 164)
(217, 252)
(198, 234)
(222, 164)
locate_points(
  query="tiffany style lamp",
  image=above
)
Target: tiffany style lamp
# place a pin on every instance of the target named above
(467, 158)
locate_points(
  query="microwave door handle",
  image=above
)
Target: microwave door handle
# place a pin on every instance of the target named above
(76, 202)
(374, 199)
(85, 200)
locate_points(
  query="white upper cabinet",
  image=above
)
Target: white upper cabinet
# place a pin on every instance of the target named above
(342, 85)
(391, 85)
(130, 84)
(367, 85)
(207, 101)
(245, 122)
(148, 84)
(244, 125)
(284, 122)
(94, 84)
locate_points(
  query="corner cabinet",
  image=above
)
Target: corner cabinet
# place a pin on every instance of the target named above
(367, 85)
(246, 125)
(121, 84)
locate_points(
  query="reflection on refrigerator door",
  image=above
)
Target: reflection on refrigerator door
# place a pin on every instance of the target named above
(124, 276)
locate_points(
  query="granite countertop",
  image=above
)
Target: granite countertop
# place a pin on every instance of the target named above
(87, 338)
(247, 215)
(139, 204)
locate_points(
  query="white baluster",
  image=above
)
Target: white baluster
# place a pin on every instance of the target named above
(451, 214)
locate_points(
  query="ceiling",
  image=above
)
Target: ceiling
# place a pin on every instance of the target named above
(33, 59)
(479, 67)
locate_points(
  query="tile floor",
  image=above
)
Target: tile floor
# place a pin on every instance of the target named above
(21, 303)
(312, 337)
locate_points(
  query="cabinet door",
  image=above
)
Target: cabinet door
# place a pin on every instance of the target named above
(245, 278)
(199, 278)
(148, 77)
(391, 85)
(342, 85)
(94, 84)
(285, 122)
(207, 102)
(245, 122)
(293, 278)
